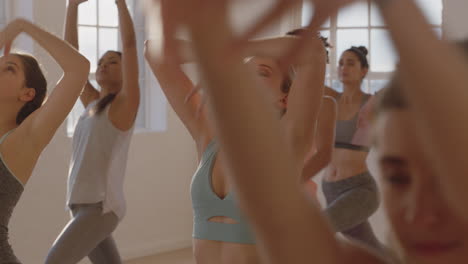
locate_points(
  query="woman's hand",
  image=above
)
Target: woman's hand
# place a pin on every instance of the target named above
(313, 51)
(10, 33)
(323, 9)
(76, 2)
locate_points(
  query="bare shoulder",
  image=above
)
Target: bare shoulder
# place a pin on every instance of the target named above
(329, 107)
(329, 101)
(362, 255)
(331, 92)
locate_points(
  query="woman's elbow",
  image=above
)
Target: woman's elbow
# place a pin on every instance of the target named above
(84, 66)
(79, 67)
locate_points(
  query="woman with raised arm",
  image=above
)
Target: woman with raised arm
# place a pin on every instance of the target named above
(221, 233)
(100, 148)
(322, 147)
(428, 224)
(26, 124)
(350, 190)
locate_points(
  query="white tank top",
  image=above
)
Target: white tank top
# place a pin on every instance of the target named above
(98, 163)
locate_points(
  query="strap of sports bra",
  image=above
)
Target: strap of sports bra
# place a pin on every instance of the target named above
(6, 135)
(350, 146)
(209, 150)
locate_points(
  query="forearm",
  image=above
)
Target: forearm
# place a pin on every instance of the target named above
(71, 25)
(65, 55)
(315, 164)
(272, 47)
(130, 71)
(325, 139)
(435, 84)
(304, 102)
(127, 29)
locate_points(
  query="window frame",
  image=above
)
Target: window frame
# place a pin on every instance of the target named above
(152, 112)
(333, 28)
(6, 13)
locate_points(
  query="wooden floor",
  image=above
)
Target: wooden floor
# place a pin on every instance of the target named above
(183, 256)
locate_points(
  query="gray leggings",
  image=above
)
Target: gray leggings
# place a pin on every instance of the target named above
(350, 202)
(87, 234)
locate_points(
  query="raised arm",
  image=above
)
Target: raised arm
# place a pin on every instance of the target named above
(124, 109)
(305, 98)
(253, 132)
(325, 139)
(176, 85)
(39, 128)
(89, 93)
(273, 48)
(437, 94)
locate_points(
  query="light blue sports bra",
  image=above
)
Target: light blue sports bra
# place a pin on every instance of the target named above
(206, 204)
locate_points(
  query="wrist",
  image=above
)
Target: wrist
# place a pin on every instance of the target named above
(72, 3)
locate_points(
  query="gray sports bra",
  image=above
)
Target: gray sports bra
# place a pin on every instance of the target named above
(10, 192)
(345, 130)
(206, 204)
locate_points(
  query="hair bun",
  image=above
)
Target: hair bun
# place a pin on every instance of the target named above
(363, 50)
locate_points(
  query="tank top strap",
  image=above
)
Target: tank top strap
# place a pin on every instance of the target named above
(210, 150)
(6, 135)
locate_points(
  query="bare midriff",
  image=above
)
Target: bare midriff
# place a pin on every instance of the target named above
(345, 163)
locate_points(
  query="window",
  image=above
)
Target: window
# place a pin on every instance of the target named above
(362, 25)
(3, 13)
(98, 29)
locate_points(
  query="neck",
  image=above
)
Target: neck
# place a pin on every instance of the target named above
(352, 90)
(7, 119)
(107, 89)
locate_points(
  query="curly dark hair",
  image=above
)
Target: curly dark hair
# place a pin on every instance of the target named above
(361, 52)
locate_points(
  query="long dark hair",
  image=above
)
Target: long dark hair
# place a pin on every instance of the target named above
(106, 100)
(34, 78)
